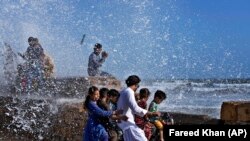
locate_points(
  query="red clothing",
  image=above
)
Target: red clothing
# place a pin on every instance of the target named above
(142, 121)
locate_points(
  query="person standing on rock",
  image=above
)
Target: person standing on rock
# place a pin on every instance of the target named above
(34, 56)
(96, 59)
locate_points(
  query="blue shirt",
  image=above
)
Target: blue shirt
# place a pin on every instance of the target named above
(93, 130)
(34, 53)
(95, 62)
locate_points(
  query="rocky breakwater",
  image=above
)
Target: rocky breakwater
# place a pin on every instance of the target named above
(24, 118)
(76, 86)
(41, 119)
(57, 120)
(54, 114)
(193, 119)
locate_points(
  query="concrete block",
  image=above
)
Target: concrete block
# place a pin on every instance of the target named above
(235, 111)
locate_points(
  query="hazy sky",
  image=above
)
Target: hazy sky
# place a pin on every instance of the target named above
(150, 38)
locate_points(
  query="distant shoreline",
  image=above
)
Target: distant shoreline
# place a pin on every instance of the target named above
(209, 80)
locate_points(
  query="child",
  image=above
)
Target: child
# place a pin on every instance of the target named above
(153, 107)
(103, 100)
(103, 104)
(142, 122)
(94, 130)
(113, 96)
(137, 96)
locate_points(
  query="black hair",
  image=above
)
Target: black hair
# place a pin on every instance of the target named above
(35, 39)
(98, 45)
(144, 92)
(132, 80)
(113, 92)
(160, 94)
(91, 91)
(30, 39)
(103, 92)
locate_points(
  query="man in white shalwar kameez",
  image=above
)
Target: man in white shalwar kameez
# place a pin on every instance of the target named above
(127, 102)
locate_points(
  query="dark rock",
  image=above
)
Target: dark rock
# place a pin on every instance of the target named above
(68, 123)
(192, 119)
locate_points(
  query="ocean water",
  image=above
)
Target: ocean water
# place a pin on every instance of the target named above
(197, 97)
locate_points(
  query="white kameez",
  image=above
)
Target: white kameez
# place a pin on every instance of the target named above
(127, 102)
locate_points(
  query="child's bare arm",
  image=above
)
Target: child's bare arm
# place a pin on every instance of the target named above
(153, 114)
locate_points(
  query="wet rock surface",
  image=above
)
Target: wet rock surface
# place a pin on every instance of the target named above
(60, 120)
(68, 123)
(54, 113)
(25, 118)
(192, 119)
(72, 87)
(36, 119)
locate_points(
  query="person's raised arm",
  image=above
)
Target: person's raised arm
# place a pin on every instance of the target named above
(98, 62)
